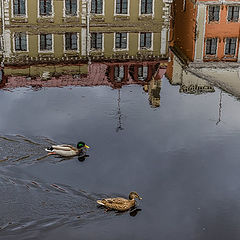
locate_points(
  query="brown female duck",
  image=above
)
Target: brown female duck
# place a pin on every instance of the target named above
(120, 204)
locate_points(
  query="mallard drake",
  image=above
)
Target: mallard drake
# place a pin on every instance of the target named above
(120, 204)
(68, 150)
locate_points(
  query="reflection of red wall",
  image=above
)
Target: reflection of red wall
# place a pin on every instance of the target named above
(131, 71)
(221, 30)
(98, 74)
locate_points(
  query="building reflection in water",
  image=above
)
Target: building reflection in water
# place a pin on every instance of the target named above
(205, 51)
(153, 88)
(114, 75)
(125, 44)
(51, 43)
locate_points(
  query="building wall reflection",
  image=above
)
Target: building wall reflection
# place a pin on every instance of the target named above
(210, 33)
(114, 75)
(71, 31)
(205, 50)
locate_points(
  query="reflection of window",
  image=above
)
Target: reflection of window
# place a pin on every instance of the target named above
(71, 7)
(230, 46)
(143, 73)
(121, 40)
(1, 75)
(213, 13)
(20, 42)
(19, 7)
(97, 6)
(211, 46)
(146, 6)
(45, 7)
(233, 13)
(96, 40)
(70, 41)
(45, 42)
(145, 40)
(119, 73)
(121, 6)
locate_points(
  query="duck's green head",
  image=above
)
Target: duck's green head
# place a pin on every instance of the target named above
(82, 145)
(134, 195)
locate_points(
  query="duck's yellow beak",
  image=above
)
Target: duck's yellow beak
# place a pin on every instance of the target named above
(86, 146)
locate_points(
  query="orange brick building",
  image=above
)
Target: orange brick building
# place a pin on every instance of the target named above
(205, 30)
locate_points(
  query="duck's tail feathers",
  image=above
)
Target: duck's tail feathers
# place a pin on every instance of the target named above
(100, 202)
(49, 149)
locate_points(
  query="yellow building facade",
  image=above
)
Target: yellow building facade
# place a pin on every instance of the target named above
(76, 31)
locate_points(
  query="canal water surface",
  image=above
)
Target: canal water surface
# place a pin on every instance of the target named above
(182, 157)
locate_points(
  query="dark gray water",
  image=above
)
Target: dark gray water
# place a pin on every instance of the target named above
(181, 158)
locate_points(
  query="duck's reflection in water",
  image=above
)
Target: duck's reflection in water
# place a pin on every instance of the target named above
(81, 158)
(132, 212)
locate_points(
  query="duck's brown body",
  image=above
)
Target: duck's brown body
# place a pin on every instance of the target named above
(120, 204)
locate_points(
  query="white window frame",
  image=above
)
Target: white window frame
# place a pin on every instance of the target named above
(146, 14)
(121, 14)
(64, 10)
(98, 14)
(232, 5)
(205, 43)
(13, 42)
(121, 49)
(235, 48)
(1, 43)
(139, 42)
(64, 43)
(220, 10)
(46, 51)
(98, 50)
(18, 16)
(49, 16)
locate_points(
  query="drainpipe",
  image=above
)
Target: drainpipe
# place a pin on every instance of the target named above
(88, 30)
(239, 52)
(3, 31)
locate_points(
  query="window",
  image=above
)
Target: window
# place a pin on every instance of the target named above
(97, 6)
(45, 7)
(71, 7)
(146, 6)
(121, 6)
(1, 75)
(20, 42)
(96, 40)
(230, 46)
(19, 7)
(119, 73)
(142, 73)
(71, 41)
(145, 40)
(213, 13)
(233, 13)
(45, 42)
(211, 46)
(184, 5)
(121, 40)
